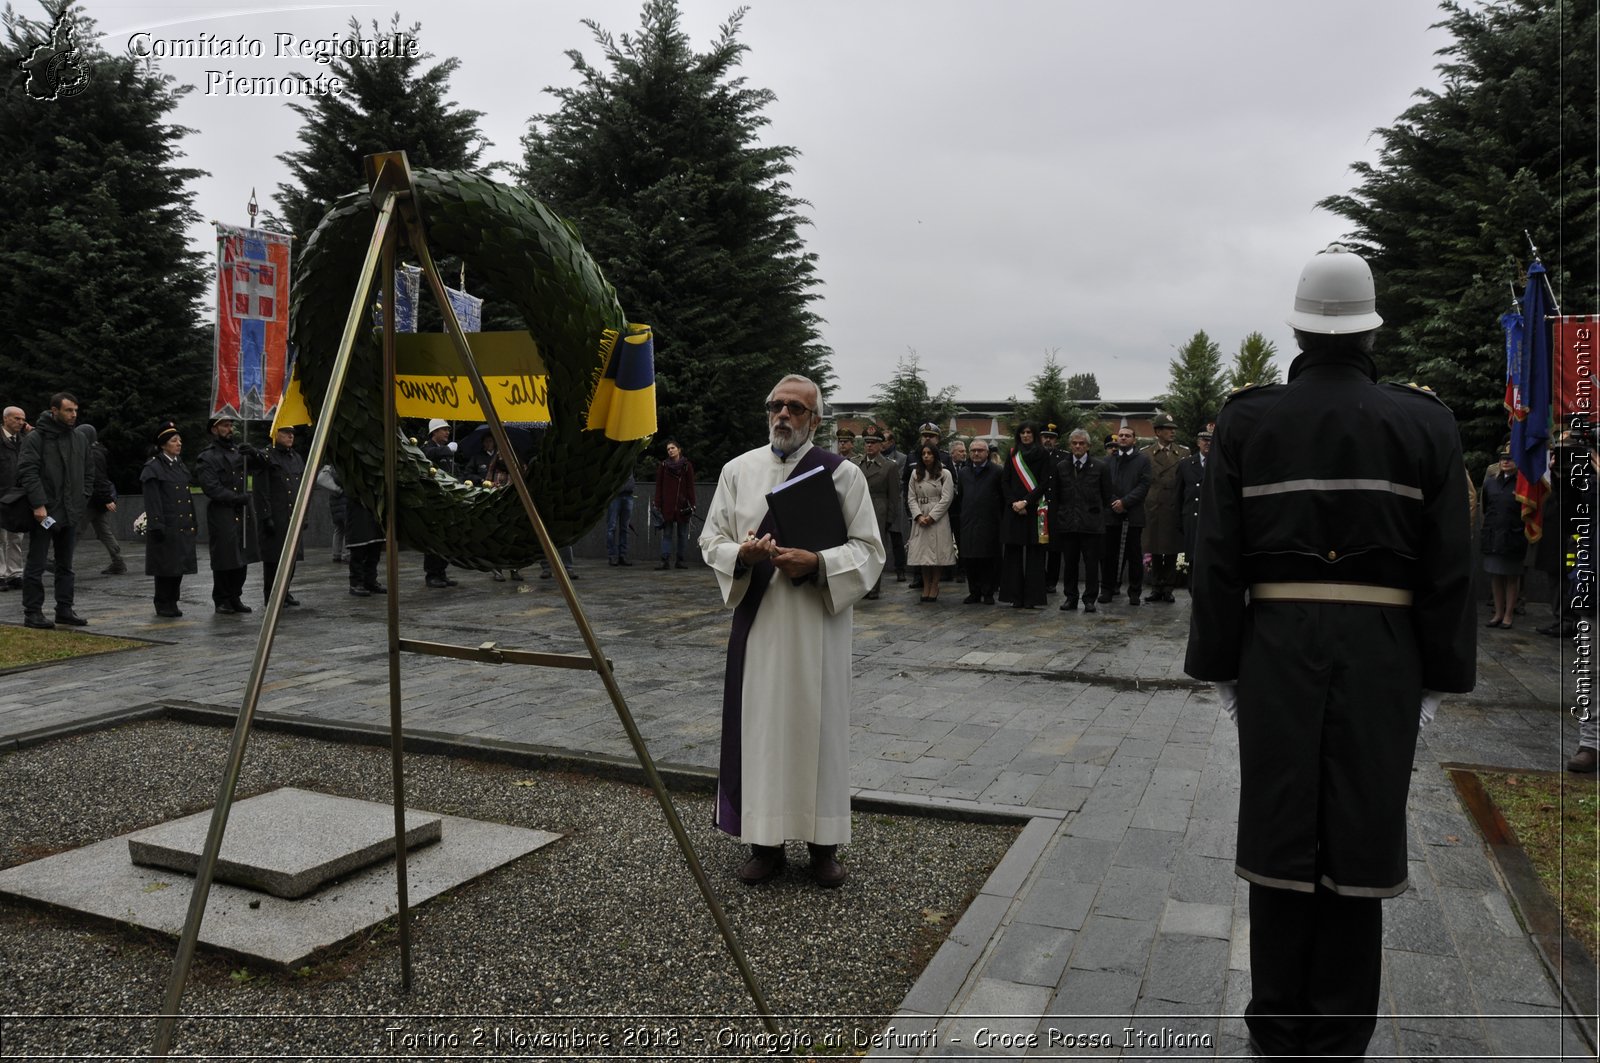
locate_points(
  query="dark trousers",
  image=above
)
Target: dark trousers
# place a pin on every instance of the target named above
(897, 552)
(227, 584)
(1052, 568)
(434, 565)
(100, 520)
(364, 564)
(983, 576)
(269, 572)
(167, 590)
(1022, 575)
(1081, 549)
(1163, 572)
(1315, 963)
(1119, 553)
(62, 539)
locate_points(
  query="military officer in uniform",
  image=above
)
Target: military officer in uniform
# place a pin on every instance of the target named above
(1332, 608)
(1191, 474)
(1163, 514)
(883, 478)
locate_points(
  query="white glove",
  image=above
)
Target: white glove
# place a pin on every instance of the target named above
(1430, 705)
(452, 446)
(1228, 694)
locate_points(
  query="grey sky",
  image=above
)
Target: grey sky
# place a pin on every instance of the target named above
(988, 181)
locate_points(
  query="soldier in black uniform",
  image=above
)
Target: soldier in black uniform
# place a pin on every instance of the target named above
(1332, 606)
(275, 487)
(222, 470)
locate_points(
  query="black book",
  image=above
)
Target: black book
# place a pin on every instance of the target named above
(806, 514)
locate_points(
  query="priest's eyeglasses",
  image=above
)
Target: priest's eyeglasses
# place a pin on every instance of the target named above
(795, 408)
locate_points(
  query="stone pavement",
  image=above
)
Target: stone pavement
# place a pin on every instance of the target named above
(1116, 911)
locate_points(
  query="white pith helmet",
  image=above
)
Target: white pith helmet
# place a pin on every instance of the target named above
(1335, 296)
(436, 424)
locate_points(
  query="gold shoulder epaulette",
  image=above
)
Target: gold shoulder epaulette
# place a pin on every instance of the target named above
(1419, 389)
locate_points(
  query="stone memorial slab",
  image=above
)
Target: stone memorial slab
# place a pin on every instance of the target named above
(100, 880)
(287, 842)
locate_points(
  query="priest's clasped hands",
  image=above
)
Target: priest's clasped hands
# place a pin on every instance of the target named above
(791, 562)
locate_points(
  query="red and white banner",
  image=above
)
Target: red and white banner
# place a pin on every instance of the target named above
(1577, 368)
(251, 363)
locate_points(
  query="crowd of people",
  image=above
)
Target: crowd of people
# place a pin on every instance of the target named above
(1018, 527)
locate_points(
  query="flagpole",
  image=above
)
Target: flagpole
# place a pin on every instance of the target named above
(1548, 290)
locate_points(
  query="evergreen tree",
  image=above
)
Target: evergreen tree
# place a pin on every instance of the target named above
(656, 159)
(903, 403)
(1083, 386)
(390, 103)
(1253, 364)
(99, 293)
(1195, 391)
(1508, 144)
(1052, 400)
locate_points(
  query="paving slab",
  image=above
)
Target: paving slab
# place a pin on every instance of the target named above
(287, 842)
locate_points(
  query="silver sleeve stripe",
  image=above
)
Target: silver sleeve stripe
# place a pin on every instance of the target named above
(1285, 487)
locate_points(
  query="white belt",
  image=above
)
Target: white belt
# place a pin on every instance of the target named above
(1349, 593)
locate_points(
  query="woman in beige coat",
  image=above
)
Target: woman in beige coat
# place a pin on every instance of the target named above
(929, 493)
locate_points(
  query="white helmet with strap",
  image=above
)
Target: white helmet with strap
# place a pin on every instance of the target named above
(1335, 296)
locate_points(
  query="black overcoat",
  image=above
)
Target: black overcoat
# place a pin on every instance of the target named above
(1022, 529)
(275, 486)
(230, 519)
(1502, 517)
(1329, 692)
(1080, 498)
(983, 507)
(1130, 481)
(168, 509)
(1191, 474)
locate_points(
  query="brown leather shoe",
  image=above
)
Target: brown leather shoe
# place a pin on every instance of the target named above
(764, 863)
(1583, 761)
(826, 871)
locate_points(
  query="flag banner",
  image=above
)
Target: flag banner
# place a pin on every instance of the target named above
(468, 308)
(250, 364)
(1577, 384)
(1528, 363)
(1516, 410)
(624, 401)
(429, 381)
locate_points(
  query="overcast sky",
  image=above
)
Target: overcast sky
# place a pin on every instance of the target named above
(988, 180)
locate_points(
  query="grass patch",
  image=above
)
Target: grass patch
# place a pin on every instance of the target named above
(25, 645)
(1556, 815)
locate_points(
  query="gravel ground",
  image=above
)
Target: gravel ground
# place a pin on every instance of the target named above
(599, 944)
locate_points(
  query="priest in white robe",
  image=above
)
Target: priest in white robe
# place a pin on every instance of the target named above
(784, 771)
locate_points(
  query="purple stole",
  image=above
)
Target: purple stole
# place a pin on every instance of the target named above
(729, 811)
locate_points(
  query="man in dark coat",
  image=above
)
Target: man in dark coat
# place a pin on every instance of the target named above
(1355, 557)
(170, 528)
(1191, 474)
(1081, 489)
(982, 508)
(222, 470)
(883, 483)
(1163, 530)
(13, 545)
(441, 450)
(1130, 482)
(53, 467)
(103, 503)
(275, 487)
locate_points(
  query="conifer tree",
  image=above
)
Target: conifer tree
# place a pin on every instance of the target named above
(391, 102)
(903, 403)
(655, 157)
(1051, 399)
(1083, 386)
(1508, 144)
(99, 293)
(1253, 364)
(1194, 391)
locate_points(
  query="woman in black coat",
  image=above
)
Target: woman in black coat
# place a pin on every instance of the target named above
(1503, 542)
(1022, 568)
(170, 529)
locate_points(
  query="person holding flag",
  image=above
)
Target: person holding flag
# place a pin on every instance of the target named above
(1022, 530)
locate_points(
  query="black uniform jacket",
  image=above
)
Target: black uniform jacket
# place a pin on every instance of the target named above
(1191, 474)
(1081, 500)
(230, 524)
(275, 487)
(168, 509)
(1379, 499)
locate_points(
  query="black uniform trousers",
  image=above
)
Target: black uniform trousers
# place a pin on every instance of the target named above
(1120, 553)
(1052, 568)
(167, 590)
(1163, 572)
(1080, 548)
(269, 572)
(227, 584)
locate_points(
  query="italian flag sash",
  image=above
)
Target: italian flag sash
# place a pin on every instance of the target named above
(1024, 473)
